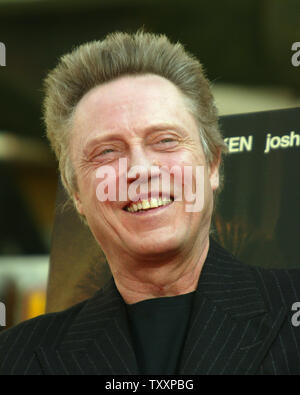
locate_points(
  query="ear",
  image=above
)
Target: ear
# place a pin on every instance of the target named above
(78, 203)
(214, 172)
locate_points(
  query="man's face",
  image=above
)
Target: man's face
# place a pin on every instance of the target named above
(145, 120)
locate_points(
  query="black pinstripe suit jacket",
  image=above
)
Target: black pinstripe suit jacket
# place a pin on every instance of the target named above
(240, 324)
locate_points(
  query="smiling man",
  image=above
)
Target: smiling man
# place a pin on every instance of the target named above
(137, 109)
(143, 119)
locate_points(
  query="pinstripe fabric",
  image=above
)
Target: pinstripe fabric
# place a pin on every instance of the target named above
(240, 324)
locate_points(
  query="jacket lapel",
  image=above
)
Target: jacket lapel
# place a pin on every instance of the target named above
(97, 342)
(230, 331)
(231, 328)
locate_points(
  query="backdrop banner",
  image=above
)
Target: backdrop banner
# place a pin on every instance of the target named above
(257, 217)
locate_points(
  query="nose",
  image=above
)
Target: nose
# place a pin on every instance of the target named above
(141, 164)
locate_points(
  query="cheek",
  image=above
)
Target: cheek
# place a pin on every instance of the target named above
(176, 163)
(98, 183)
(184, 158)
(185, 170)
(87, 185)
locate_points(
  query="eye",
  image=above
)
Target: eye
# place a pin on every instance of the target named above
(106, 151)
(166, 143)
(167, 140)
(101, 155)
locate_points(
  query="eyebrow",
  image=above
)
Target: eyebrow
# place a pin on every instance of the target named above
(112, 135)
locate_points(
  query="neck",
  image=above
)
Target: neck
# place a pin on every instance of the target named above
(177, 276)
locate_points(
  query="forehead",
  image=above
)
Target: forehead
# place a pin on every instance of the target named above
(132, 103)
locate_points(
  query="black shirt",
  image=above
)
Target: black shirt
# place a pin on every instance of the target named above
(158, 328)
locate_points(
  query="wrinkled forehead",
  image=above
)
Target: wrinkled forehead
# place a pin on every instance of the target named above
(133, 103)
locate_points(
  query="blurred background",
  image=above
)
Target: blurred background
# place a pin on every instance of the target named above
(245, 47)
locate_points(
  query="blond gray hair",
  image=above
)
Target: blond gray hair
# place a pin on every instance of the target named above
(120, 54)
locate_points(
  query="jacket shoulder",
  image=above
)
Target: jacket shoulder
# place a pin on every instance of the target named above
(18, 343)
(279, 286)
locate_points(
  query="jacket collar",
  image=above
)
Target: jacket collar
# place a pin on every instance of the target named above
(97, 341)
(230, 328)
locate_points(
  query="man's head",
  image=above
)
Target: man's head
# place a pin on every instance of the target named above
(141, 98)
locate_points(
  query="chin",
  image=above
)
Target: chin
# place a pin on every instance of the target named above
(158, 246)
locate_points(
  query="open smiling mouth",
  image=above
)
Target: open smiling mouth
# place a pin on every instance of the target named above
(143, 206)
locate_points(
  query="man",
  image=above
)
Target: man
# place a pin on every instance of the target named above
(122, 114)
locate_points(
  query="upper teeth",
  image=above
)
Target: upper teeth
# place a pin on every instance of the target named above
(146, 204)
